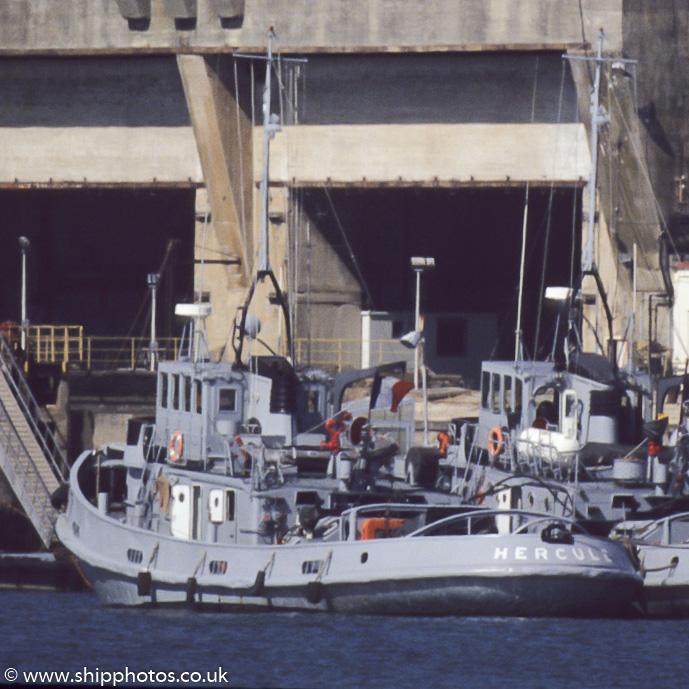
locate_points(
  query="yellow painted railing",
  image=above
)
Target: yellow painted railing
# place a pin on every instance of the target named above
(345, 353)
(118, 353)
(56, 343)
(67, 345)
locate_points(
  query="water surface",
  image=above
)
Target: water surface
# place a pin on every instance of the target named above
(71, 632)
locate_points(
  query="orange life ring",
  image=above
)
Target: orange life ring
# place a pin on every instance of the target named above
(176, 446)
(496, 442)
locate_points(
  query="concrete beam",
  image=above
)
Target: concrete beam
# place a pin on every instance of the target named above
(98, 26)
(397, 155)
(98, 155)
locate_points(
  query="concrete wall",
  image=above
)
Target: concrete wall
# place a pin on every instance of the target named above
(662, 82)
(400, 93)
(444, 154)
(95, 120)
(476, 340)
(97, 25)
(436, 87)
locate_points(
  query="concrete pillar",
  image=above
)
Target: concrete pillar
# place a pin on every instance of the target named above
(224, 233)
(223, 136)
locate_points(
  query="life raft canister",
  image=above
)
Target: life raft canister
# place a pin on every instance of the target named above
(496, 442)
(379, 527)
(176, 446)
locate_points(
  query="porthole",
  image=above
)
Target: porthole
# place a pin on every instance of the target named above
(135, 556)
(311, 566)
(364, 557)
(217, 566)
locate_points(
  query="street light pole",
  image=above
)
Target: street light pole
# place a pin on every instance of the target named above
(24, 244)
(417, 324)
(419, 264)
(152, 279)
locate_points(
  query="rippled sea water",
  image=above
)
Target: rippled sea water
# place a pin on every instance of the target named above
(71, 632)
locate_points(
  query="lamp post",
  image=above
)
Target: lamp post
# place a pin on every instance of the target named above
(415, 338)
(152, 279)
(24, 244)
(419, 264)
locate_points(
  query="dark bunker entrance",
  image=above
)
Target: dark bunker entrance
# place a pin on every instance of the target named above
(475, 237)
(90, 252)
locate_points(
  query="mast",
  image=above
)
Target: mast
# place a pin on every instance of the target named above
(271, 125)
(598, 120)
(518, 332)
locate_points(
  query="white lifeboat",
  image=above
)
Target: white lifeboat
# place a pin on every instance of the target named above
(548, 446)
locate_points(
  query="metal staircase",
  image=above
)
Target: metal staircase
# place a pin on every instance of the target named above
(30, 456)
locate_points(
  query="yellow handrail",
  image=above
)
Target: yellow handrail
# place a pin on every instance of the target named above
(67, 344)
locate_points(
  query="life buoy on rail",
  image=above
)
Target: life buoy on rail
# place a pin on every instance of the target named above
(176, 446)
(496, 442)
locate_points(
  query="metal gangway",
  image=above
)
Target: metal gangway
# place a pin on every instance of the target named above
(30, 456)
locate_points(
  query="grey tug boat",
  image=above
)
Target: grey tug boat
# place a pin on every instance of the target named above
(571, 435)
(662, 544)
(217, 502)
(229, 499)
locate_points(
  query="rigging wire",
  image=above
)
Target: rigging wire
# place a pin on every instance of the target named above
(349, 249)
(242, 219)
(146, 300)
(647, 179)
(518, 331)
(581, 19)
(253, 95)
(549, 221)
(574, 224)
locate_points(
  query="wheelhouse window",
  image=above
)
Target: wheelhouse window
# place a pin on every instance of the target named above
(174, 389)
(507, 395)
(547, 404)
(495, 393)
(187, 393)
(679, 531)
(485, 389)
(163, 388)
(227, 400)
(198, 396)
(518, 395)
(313, 401)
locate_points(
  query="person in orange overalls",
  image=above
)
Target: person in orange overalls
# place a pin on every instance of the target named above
(335, 427)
